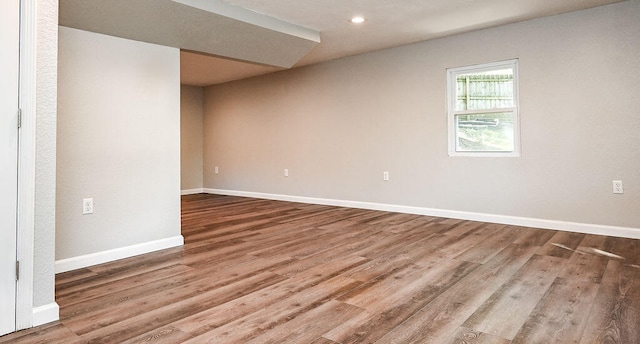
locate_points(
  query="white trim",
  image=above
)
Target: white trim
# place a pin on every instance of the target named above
(46, 314)
(625, 232)
(26, 163)
(79, 262)
(191, 191)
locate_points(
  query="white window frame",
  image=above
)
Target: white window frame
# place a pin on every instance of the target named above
(452, 74)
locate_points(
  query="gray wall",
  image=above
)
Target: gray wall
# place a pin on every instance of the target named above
(191, 137)
(118, 142)
(338, 125)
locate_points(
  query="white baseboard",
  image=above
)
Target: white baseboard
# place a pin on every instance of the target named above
(625, 232)
(191, 191)
(46, 314)
(79, 262)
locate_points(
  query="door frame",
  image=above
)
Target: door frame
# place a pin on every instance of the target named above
(26, 163)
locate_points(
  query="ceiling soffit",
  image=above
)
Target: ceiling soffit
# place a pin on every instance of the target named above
(209, 26)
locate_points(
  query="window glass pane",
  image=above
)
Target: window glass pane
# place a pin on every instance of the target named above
(491, 132)
(484, 90)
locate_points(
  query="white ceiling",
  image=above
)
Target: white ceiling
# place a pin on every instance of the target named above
(244, 38)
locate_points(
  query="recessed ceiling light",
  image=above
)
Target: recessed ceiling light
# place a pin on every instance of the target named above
(357, 20)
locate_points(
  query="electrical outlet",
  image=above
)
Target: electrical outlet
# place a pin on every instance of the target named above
(87, 206)
(286, 172)
(617, 187)
(385, 176)
(215, 170)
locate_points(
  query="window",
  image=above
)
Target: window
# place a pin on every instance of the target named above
(482, 103)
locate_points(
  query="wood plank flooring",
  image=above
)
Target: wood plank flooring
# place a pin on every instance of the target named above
(260, 271)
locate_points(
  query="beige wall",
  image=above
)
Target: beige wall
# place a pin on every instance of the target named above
(191, 137)
(337, 126)
(118, 142)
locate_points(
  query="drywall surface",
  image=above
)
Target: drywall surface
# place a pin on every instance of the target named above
(118, 143)
(45, 154)
(337, 126)
(191, 113)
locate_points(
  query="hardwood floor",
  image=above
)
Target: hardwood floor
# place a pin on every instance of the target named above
(260, 271)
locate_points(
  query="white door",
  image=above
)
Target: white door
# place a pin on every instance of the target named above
(9, 59)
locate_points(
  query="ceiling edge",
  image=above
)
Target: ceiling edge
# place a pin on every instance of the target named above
(251, 17)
